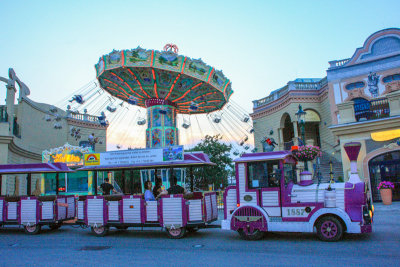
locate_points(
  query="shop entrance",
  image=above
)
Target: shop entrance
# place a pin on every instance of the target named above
(385, 167)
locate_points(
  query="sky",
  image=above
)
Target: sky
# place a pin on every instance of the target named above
(259, 45)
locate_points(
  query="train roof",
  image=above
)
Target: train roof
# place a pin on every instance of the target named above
(34, 168)
(190, 159)
(263, 156)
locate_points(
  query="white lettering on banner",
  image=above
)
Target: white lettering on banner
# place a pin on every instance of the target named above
(141, 156)
(131, 157)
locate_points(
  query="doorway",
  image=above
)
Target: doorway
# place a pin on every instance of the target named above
(385, 167)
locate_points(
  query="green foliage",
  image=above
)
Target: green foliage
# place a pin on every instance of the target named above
(219, 153)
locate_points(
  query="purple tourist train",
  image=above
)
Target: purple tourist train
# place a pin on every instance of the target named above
(32, 212)
(267, 197)
(176, 213)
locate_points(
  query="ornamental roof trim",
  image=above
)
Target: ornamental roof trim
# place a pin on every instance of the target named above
(381, 44)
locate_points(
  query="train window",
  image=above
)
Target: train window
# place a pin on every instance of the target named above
(77, 182)
(263, 174)
(290, 173)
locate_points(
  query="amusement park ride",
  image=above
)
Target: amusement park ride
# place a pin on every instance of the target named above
(164, 91)
(167, 86)
(267, 196)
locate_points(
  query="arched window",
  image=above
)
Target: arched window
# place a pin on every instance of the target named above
(356, 85)
(391, 78)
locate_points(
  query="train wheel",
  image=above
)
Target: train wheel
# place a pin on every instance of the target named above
(329, 229)
(252, 236)
(54, 226)
(176, 233)
(100, 230)
(32, 229)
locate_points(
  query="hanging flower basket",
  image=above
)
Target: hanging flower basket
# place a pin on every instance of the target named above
(307, 153)
(385, 188)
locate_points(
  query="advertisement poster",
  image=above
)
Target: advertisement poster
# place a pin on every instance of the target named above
(135, 156)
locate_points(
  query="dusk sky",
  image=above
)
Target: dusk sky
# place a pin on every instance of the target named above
(259, 45)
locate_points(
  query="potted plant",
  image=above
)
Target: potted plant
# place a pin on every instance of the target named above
(306, 153)
(385, 188)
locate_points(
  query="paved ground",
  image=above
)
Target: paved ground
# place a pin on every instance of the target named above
(212, 247)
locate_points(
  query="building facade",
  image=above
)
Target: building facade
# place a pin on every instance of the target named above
(28, 128)
(358, 100)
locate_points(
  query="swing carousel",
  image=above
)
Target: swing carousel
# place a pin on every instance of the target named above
(165, 84)
(169, 99)
(163, 98)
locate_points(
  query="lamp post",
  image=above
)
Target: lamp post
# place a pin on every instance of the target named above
(301, 114)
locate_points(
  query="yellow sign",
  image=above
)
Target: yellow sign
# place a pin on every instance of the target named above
(385, 135)
(92, 159)
(66, 158)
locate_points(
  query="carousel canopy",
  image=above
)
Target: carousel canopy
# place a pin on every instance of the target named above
(139, 75)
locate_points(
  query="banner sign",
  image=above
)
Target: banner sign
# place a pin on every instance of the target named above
(71, 155)
(135, 156)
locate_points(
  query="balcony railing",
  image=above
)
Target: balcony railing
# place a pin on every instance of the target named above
(371, 110)
(338, 63)
(293, 85)
(84, 117)
(307, 86)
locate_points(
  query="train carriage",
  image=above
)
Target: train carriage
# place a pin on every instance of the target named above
(177, 213)
(32, 212)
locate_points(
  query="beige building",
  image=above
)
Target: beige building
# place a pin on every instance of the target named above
(358, 100)
(28, 128)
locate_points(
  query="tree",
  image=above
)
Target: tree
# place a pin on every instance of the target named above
(219, 153)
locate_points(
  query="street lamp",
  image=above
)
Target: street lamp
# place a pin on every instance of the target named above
(301, 114)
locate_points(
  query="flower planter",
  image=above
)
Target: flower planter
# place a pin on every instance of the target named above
(386, 195)
(307, 153)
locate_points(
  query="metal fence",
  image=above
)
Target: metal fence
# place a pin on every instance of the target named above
(371, 110)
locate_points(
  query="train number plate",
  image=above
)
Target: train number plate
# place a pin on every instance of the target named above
(299, 212)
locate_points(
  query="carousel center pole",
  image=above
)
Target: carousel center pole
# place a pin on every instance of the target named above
(161, 123)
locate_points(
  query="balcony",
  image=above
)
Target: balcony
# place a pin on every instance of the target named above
(296, 85)
(88, 118)
(371, 110)
(363, 110)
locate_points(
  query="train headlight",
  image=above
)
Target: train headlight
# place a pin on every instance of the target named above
(370, 213)
(372, 208)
